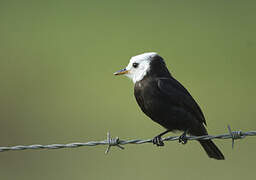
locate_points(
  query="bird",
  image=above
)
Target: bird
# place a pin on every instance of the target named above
(166, 101)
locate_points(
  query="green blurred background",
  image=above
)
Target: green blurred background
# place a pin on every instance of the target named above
(57, 60)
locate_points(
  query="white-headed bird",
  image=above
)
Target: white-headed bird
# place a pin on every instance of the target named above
(162, 98)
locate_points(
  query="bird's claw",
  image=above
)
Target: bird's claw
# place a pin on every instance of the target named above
(183, 138)
(158, 141)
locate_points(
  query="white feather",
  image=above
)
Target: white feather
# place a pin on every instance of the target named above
(137, 74)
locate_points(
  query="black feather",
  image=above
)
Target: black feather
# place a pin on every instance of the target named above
(162, 98)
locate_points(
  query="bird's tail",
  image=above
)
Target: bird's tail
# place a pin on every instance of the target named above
(211, 149)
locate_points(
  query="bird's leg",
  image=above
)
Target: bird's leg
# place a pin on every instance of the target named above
(183, 138)
(158, 140)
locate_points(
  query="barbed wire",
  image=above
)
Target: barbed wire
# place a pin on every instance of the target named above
(234, 135)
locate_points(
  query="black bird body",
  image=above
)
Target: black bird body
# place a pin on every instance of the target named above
(162, 98)
(168, 103)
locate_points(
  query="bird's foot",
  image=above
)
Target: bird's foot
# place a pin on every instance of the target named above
(158, 141)
(183, 138)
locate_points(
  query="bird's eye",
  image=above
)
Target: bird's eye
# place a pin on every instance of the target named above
(135, 65)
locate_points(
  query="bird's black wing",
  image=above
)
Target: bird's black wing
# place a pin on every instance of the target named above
(179, 96)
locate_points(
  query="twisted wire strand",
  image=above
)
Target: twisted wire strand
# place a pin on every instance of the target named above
(117, 142)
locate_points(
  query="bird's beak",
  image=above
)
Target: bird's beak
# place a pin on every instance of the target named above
(122, 71)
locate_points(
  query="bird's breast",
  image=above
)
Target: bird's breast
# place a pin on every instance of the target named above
(150, 100)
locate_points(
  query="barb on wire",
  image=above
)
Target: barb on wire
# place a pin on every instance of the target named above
(112, 142)
(234, 135)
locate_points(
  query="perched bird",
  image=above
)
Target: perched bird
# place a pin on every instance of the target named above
(162, 98)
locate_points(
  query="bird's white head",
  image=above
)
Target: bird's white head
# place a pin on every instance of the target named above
(138, 66)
